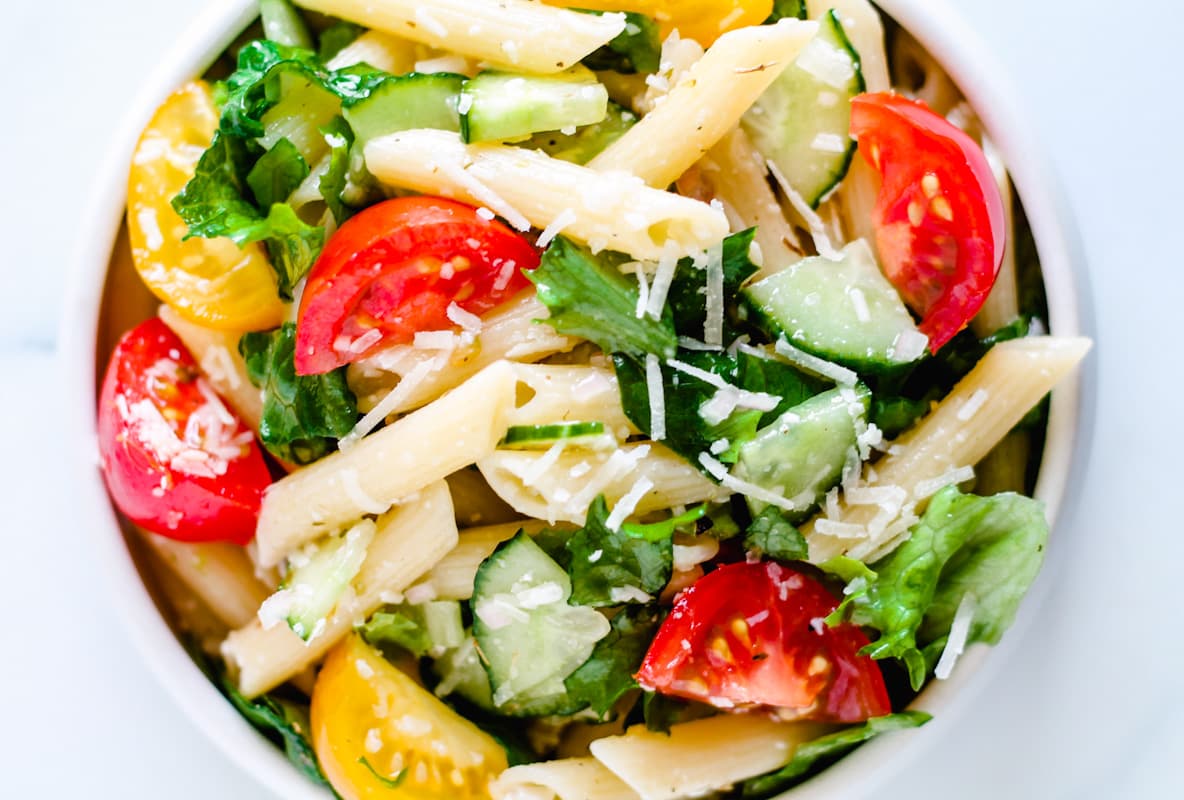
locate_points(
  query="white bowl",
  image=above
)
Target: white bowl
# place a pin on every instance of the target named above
(90, 325)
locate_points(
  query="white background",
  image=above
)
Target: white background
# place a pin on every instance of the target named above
(1086, 703)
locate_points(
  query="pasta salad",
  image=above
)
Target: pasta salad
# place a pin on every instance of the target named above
(607, 399)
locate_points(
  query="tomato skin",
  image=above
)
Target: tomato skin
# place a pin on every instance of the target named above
(939, 217)
(201, 485)
(395, 267)
(752, 635)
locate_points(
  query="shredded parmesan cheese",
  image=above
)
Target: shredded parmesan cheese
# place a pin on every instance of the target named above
(628, 503)
(817, 227)
(713, 325)
(663, 277)
(959, 632)
(485, 195)
(819, 366)
(403, 389)
(561, 221)
(928, 488)
(720, 472)
(657, 397)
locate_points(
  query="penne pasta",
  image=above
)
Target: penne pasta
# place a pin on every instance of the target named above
(219, 574)
(706, 103)
(611, 210)
(570, 394)
(739, 176)
(980, 411)
(452, 576)
(527, 36)
(217, 354)
(392, 54)
(559, 485)
(409, 540)
(703, 756)
(474, 502)
(387, 466)
(564, 779)
(512, 331)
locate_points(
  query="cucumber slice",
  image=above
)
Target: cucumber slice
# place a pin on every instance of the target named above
(321, 576)
(461, 673)
(540, 437)
(529, 636)
(801, 455)
(282, 23)
(430, 628)
(801, 122)
(588, 141)
(504, 107)
(303, 109)
(404, 102)
(845, 311)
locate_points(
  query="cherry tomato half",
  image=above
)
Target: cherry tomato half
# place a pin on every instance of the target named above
(393, 270)
(379, 734)
(177, 461)
(752, 635)
(939, 217)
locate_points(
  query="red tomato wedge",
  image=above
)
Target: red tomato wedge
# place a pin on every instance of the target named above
(177, 461)
(395, 268)
(939, 217)
(752, 636)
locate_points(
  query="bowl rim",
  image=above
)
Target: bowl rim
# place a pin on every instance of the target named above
(939, 29)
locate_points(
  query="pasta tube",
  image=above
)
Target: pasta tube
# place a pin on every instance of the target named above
(409, 540)
(607, 210)
(703, 756)
(565, 779)
(985, 405)
(706, 103)
(531, 37)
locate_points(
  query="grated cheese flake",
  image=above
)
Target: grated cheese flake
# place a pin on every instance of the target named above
(928, 488)
(657, 397)
(663, 277)
(483, 194)
(817, 227)
(628, 503)
(352, 486)
(564, 218)
(972, 405)
(468, 321)
(859, 303)
(396, 397)
(713, 325)
(820, 366)
(720, 472)
(959, 633)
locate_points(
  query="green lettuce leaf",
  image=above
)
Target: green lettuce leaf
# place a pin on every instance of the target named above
(988, 547)
(608, 673)
(770, 534)
(253, 88)
(808, 757)
(216, 202)
(277, 173)
(687, 297)
(283, 721)
(589, 297)
(787, 9)
(602, 560)
(303, 415)
(638, 48)
(334, 184)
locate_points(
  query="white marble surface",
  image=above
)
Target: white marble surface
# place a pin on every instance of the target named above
(1085, 705)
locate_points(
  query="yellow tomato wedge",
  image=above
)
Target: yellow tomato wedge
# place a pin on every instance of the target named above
(701, 20)
(379, 734)
(209, 281)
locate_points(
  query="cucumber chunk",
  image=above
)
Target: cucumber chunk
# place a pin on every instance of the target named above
(801, 455)
(845, 311)
(504, 107)
(461, 673)
(540, 437)
(801, 122)
(404, 102)
(321, 575)
(588, 141)
(528, 635)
